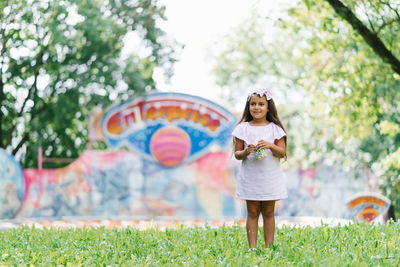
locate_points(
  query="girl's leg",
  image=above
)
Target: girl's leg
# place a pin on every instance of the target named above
(267, 210)
(253, 213)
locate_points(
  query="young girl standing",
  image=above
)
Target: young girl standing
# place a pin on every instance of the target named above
(259, 142)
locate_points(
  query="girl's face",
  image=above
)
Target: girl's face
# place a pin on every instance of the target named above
(258, 107)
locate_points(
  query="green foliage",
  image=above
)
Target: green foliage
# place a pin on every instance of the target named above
(59, 59)
(342, 71)
(355, 244)
(389, 128)
(357, 88)
(350, 112)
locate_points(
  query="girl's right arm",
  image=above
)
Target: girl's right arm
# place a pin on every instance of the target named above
(240, 152)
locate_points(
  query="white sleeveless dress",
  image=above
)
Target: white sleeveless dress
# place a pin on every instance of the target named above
(260, 179)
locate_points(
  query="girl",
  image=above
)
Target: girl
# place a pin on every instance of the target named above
(259, 142)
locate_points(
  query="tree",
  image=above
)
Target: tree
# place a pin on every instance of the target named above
(352, 88)
(245, 59)
(380, 30)
(58, 59)
(371, 35)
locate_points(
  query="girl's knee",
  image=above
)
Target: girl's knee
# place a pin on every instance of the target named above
(253, 214)
(268, 209)
(267, 214)
(253, 209)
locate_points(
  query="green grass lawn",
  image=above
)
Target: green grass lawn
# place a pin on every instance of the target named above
(351, 245)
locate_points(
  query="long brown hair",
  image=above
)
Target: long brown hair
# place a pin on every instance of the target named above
(272, 114)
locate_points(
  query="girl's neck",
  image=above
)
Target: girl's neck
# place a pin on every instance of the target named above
(258, 122)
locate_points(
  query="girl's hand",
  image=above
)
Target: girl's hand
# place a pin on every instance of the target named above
(278, 148)
(263, 144)
(241, 152)
(251, 149)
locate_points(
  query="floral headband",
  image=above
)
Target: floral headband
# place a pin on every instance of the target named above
(261, 92)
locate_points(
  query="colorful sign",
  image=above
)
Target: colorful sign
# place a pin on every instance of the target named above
(368, 206)
(12, 186)
(170, 128)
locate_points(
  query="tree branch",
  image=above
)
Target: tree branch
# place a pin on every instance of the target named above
(32, 91)
(369, 21)
(20, 113)
(369, 37)
(1, 113)
(23, 140)
(393, 9)
(44, 107)
(385, 23)
(3, 50)
(26, 135)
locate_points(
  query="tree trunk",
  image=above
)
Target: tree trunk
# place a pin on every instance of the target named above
(390, 214)
(371, 38)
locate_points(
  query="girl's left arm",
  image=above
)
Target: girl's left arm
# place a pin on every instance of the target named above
(278, 148)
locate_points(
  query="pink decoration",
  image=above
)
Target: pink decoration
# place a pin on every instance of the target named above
(170, 145)
(262, 92)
